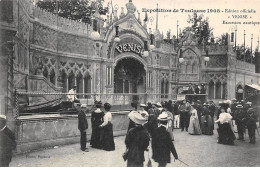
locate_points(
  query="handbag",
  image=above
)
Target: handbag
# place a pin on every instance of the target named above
(125, 155)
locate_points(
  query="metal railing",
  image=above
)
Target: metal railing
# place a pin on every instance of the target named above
(34, 100)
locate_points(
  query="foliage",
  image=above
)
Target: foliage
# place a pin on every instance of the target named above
(201, 28)
(73, 9)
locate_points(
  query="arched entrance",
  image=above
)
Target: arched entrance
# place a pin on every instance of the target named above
(129, 76)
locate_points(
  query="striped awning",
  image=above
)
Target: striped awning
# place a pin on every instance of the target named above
(254, 86)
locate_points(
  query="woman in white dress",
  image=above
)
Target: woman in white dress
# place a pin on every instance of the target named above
(107, 138)
(194, 126)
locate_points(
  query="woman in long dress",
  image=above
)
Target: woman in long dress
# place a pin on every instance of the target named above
(194, 126)
(225, 132)
(96, 121)
(206, 121)
(170, 121)
(107, 137)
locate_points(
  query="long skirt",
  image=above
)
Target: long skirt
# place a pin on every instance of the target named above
(95, 141)
(107, 137)
(226, 135)
(206, 125)
(194, 127)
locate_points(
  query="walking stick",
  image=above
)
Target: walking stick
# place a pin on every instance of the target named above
(182, 162)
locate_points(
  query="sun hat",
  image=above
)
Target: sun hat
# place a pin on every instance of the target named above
(239, 106)
(83, 105)
(163, 117)
(159, 104)
(142, 105)
(2, 116)
(137, 118)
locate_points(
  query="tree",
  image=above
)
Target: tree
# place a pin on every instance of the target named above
(74, 9)
(201, 28)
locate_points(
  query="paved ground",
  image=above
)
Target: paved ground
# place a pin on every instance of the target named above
(196, 151)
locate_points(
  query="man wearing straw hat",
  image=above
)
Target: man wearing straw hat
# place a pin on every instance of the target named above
(240, 116)
(7, 143)
(82, 126)
(136, 141)
(162, 145)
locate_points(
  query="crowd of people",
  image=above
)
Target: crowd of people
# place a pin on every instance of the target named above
(155, 122)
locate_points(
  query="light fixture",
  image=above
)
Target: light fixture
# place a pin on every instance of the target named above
(152, 44)
(207, 56)
(95, 35)
(145, 53)
(117, 39)
(181, 59)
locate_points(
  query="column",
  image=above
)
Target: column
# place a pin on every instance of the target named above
(83, 86)
(221, 90)
(214, 90)
(67, 84)
(129, 86)
(123, 86)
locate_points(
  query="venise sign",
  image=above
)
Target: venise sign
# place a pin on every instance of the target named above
(130, 47)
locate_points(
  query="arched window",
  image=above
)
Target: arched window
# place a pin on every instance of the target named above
(211, 90)
(52, 76)
(224, 93)
(64, 81)
(218, 90)
(162, 88)
(87, 88)
(166, 89)
(45, 73)
(71, 79)
(79, 84)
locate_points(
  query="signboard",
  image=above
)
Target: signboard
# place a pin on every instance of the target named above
(181, 97)
(130, 47)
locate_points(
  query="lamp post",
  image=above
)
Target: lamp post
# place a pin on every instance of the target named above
(117, 39)
(179, 62)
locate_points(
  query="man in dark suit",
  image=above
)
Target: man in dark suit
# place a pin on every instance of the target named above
(82, 126)
(162, 145)
(7, 143)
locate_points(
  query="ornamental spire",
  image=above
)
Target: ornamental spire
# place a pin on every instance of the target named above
(130, 7)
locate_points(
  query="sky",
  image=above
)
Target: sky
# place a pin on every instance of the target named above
(230, 11)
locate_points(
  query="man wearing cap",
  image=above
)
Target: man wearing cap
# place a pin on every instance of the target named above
(162, 145)
(143, 112)
(184, 115)
(72, 95)
(82, 125)
(251, 119)
(240, 116)
(136, 141)
(7, 143)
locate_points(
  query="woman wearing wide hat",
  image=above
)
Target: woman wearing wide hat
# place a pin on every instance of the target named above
(137, 140)
(225, 133)
(162, 144)
(96, 121)
(107, 137)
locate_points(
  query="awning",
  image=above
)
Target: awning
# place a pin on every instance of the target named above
(254, 86)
